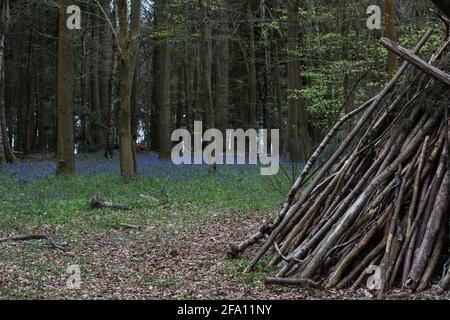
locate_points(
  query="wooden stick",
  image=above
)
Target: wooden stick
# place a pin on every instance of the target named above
(416, 61)
(33, 237)
(292, 281)
(288, 212)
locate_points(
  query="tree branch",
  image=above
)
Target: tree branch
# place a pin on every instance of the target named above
(416, 61)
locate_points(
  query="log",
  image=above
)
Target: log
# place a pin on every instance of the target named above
(292, 281)
(97, 203)
(432, 230)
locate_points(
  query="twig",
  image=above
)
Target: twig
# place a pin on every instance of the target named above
(51, 242)
(292, 281)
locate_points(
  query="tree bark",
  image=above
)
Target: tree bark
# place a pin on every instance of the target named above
(99, 141)
(391, 33)
(205, 57)
(222, 86)
(299, 146)
(163, 98)
(64, 97)
(6, 153)
(104, 76)
(129, 45)
(252, 67)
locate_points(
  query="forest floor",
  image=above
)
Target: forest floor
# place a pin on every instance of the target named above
(172, 245)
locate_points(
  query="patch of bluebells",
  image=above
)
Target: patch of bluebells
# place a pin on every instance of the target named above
(32, 187)
(149, 165)
(28, 170)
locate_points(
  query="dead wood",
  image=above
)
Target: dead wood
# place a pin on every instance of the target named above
(379, 200)
(50, 240)
(97, 203)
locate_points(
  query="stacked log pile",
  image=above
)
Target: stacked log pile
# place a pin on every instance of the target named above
(381, 199)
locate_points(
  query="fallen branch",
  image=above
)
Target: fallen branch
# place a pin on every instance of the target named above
(128, 226)
(292, 281)
(50, 241)
(97, 203)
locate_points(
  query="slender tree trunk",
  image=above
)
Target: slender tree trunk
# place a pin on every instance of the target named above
(205, 58)
(188, 89)
(162, 12)
(84, 95)
(28, 128)
(222, 65)
(391, 33)
(299, 145)
(252, 65)
(293, 81)
(98, 133)
(134, 101)
(64, 97)
(129, 45)
(277, 86)
(113, 89)
(6, 152)
(180, 97)
(154, 108)
(346, 94)
(104, 75)
(2, 151)
(268, 83)
(206, 65)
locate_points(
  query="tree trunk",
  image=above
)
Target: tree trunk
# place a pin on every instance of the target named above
(99, 142)
(293, 81)
(252, 66)
(104, 76)
(154, 108)
(162, 12)
(223, 57)
(6, 153)
(391, 33)
(129, 45)
(64, 97)
(205, 57)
